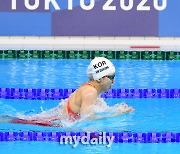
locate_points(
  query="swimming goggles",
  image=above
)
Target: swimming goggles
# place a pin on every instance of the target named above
(111, 77)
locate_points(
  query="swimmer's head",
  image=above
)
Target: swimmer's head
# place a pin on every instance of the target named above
(100, 67)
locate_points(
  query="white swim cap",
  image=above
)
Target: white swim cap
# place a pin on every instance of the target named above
(100, 67)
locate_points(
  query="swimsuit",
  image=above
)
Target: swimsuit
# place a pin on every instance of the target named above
(74, 116)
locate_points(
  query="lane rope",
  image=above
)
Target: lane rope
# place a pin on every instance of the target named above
(119, 137)
(57, 94)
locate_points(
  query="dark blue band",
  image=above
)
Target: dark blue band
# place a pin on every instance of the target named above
(57, 94)
(119, 137)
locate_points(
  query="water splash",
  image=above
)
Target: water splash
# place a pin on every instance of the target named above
(99, 108)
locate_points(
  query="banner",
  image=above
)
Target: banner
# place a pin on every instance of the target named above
(90, 18)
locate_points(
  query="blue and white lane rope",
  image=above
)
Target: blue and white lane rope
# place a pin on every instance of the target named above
(118, 137)
(57, 94)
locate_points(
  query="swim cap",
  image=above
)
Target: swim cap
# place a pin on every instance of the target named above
(100, 67)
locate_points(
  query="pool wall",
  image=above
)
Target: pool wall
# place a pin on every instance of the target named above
(90, 43)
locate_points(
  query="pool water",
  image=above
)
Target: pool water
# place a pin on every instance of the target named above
(151, 114)
(52, 73)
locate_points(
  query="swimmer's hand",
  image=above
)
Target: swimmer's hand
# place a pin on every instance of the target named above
(122, 109)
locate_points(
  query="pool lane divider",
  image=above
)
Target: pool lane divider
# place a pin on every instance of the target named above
(57, 94)
(156, 54)
(119, 137)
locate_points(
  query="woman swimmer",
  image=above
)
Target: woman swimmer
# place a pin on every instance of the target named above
(101, 74)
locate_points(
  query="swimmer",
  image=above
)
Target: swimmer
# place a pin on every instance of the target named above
(101, 74)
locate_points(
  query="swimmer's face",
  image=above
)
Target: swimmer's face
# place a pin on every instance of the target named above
(107, 81)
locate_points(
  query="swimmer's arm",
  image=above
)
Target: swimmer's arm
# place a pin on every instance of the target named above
(86, 111)
(118, 112)
(88, 99)
(97, 117)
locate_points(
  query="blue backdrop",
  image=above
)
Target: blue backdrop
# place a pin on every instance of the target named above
(95, 22)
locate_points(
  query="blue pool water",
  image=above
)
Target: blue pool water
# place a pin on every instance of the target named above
(38, 73)
(151, 115)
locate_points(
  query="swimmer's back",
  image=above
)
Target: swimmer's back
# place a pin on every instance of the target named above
(76, 98)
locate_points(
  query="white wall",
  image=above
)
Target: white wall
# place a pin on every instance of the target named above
(89, 43)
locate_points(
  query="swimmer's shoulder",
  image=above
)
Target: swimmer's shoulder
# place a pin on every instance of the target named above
(86, 89)
(83, 93)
